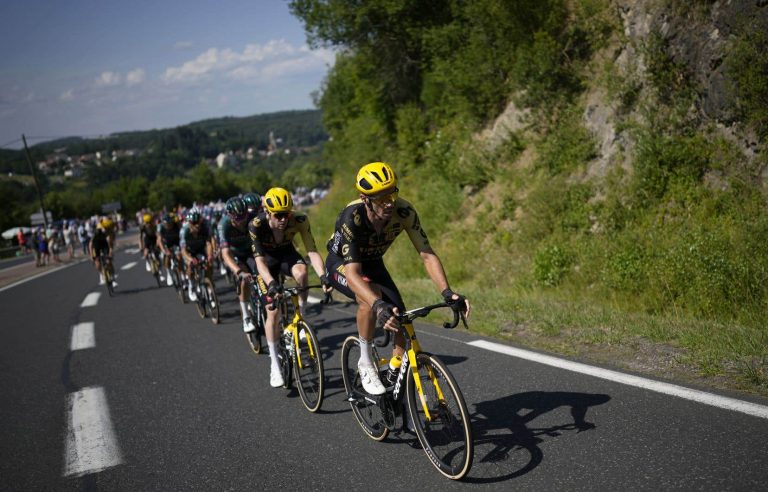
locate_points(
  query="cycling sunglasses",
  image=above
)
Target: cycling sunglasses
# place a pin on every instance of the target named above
(282, 215)
(239, 218)
(390, 197)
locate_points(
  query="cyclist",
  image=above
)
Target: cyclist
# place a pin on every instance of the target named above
(272, 235)
(215, 221)
(102, 243)
(364, 231)
(148, 239)
(196, 246)
(235, 244)
(168, 237)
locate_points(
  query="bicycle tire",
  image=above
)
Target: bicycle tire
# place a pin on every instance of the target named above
(367, 414)
(447, 437)
(258, 317)
(213, 301)
(202, 300)
(108, 282)
(310, 379)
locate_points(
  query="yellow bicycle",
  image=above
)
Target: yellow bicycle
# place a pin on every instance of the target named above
(436, 406)
(299, 351)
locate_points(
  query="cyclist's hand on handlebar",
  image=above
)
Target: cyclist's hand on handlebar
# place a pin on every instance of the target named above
(327, 287)
(274, 289)
(245, 276)
(456, 301)
(386, 315)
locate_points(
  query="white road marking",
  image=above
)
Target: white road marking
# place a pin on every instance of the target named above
(91, 299)
(668, 389)
(128, 266)
(132, 251)
(83, 336)
(313, 300)
(91, 445)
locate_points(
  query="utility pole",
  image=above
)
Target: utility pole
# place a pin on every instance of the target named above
(37, 183)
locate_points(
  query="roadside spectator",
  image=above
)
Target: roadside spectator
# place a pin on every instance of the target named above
(35, 247)
(82, 235)
(22, 242)
(70, 236)
(42, 246)
(54, 244)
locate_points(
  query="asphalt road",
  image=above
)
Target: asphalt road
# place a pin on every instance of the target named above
(190, 407)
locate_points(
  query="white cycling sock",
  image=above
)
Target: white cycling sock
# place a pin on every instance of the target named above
(244, 309)
(365, 352)
(273, 354)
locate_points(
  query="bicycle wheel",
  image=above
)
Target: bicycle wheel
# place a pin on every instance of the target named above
(108, 277)
(446, 435)
(308, 368)
(258, 316)
(213, 300)
(202, 299)
(366, 412)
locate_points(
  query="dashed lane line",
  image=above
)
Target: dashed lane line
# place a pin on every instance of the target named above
(83, 336)
(91, 445)
(91, 299)
(724, 402)
(128, 266)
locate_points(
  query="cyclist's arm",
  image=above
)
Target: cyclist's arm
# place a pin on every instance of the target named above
(309, 244)
(436, 272)
(229, 260)
(317, 262)
(110, 245)
(263, 270)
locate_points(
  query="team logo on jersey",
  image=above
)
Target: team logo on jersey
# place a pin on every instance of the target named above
(345, 250)
(404, 212)
(356, 218)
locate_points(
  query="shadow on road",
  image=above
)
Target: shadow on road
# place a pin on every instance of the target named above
(507, 446)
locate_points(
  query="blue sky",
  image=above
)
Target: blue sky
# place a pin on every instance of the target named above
(88, 67)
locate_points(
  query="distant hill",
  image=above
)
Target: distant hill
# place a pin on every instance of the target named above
(295, 128)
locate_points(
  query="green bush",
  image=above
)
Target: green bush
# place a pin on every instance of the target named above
(550, 265)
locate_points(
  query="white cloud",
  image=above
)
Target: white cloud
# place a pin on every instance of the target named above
(135, 77)
(274, 58)
(108, 79)
(67, 95)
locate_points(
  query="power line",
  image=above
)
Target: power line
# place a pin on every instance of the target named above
(10, 143)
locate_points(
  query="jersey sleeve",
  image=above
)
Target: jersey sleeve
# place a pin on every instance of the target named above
(253, 231)
(222, 232)
(412, 226)
(302, 224)
(183, 236)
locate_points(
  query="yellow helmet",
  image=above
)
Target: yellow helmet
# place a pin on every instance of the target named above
(375, 177)
(278, 200)
(106, 224)
(147, 218)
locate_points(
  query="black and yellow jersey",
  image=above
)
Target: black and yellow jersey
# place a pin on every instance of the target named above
(355, 240)
(263, 240)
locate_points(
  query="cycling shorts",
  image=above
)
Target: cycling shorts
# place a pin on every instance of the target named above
(374, 272)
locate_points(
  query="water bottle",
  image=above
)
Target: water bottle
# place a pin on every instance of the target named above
(394, 368)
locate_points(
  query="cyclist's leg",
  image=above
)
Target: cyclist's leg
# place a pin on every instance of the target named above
(245, 292)
(366, 326)
(293, 265)
(271, 325)
(391, 294)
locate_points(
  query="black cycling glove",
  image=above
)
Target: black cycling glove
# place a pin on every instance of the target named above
(274, 288)
(324, 281)
(448, 298)
(383, 311)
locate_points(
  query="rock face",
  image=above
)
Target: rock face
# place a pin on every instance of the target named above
(700, 43)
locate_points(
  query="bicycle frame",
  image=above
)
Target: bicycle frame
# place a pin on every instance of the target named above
(413, 348)
(293, 326)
